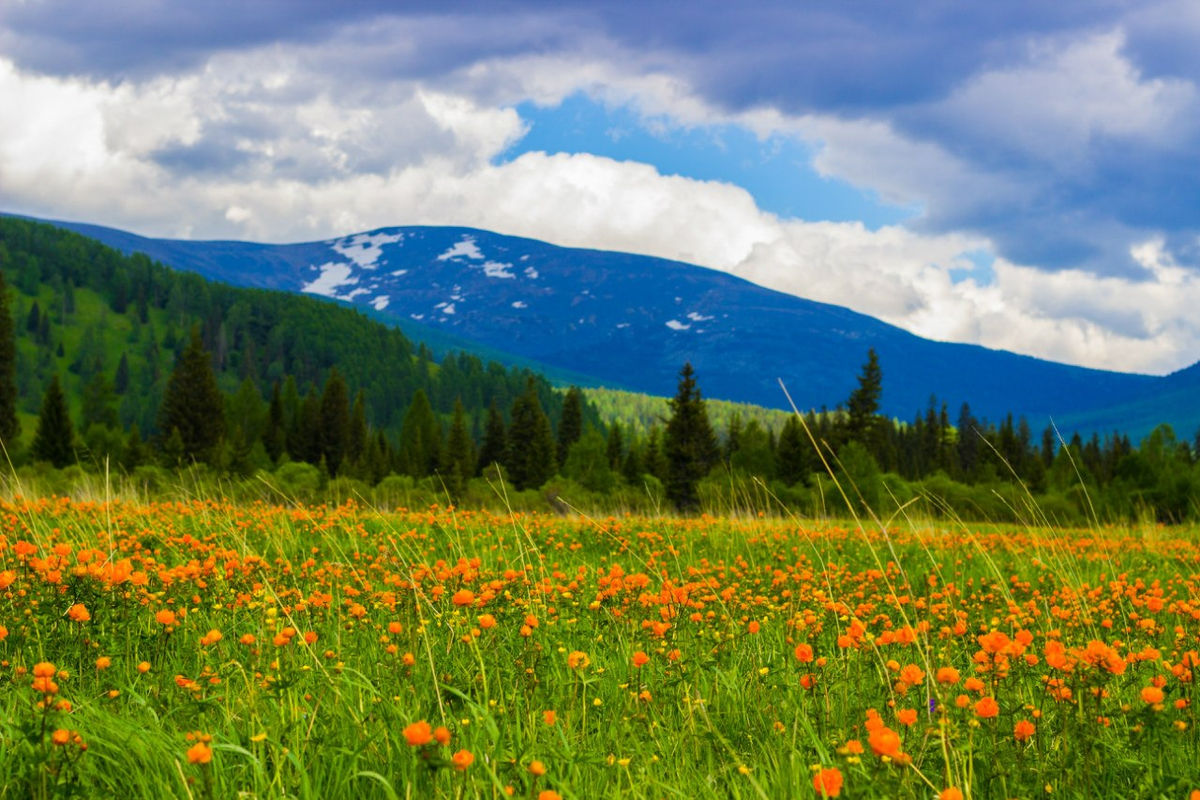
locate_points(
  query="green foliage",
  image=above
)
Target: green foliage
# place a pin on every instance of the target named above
(10, 428)
(192, 404)
(530, 457)
(690, 447)
(54, 441)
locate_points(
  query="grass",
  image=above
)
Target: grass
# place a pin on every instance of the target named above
(293, 652)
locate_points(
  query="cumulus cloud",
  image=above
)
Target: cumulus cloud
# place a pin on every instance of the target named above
(1050, 135)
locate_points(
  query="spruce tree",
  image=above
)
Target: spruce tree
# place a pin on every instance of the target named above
(121, 378)
(10, 427)
(460, 451)
(689, 445)
(192, 403)
(356, 437)
(99, 403)
(795, 453)
(614, 446)
(54, 440)
(420, 438)
(308, 429)
(862, 424)
(495, 441)
(531, 445)
(274, 435)
(335, 421)
(570, 424)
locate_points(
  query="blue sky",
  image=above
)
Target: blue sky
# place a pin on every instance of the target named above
(1023, 175)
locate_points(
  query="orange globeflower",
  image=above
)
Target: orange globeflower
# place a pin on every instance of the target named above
(44, 669)
(549, 717)
(442, 735)
(987, 708)
(951, 793)
(165, 617)
(547, 794)
(463, 597)
(907, 716)
(143, 667)
(884, 742)
(199, 753)
(1152, 695)
(462, 759)
(61, 736)
(804, 653)
(418, 734)
(487, 621)
(78, 613)
(947, 675)
(640, 658)
(537, 769)
(828, 782)
(1023, 730)
(577, 659)
(103, 662)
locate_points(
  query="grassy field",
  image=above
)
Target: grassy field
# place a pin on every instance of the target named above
(212, 650)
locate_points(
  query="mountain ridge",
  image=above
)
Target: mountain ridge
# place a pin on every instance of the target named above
(630, 321)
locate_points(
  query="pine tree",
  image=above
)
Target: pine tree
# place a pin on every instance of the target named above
(99, 403)
(460, 451)
(356, 441)
(308, 429)
(794, 452)
(192, 403)
(615, 446)
(689, 445)
(495, 441)
(570, 424)
(420, 438)
(10, 427)
(863, 404)
(531, 445)
(54, 440)
(335, 421)
(274, 436)
(121, 378)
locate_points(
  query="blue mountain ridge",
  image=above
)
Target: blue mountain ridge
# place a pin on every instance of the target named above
(630, 321)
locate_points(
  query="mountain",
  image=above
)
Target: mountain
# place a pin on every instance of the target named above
(630, 321)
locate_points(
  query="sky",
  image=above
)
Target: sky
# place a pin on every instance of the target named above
(1022, 175)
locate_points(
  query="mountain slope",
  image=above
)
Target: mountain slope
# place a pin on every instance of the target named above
(631, 321)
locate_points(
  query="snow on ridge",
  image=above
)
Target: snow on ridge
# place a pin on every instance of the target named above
(676, 325)
(333, 275)
(496, 269)
(364, 249)
(463, 248)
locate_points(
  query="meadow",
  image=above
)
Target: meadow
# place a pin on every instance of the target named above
(207, 649)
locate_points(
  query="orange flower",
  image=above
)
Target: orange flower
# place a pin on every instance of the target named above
(78, 613)
(987, 708)
(61, 736)
(44, 669)
(1023, 730)
(143, 667)
(549, 717)
(804, 653)
(950, 793)
(199, 753)
(165, 617)
(1152, 695)
(828, 782)
(462, 759)
(907, 716)
(884, 742)
(547, 794)
(463, 597)
(441, 735)
(640, 659)
(753, 627)
(577, 659)
(912, 675)
(947, 675)
(537, 769)
(103, 662)
(418, 734)
(487, 621)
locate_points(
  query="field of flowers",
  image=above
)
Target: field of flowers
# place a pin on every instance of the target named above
(212, 650)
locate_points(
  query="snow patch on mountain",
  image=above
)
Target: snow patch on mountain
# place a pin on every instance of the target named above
(364, 249)
(333, 275)
(463, 248)
(496, 269)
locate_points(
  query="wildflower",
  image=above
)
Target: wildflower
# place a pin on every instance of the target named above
(418, 734)
(547, 794)
(549, 717)
(753, 627)
(441, 735)
(640, 659)
(947, 675)
(165, 617)
(828, 782)
(78, 613)
(987, 708)
(60, 736)
(1152, 695)
(537, 769)
(462, 759)
(143, 667)
(804, 653)
(907, 716)
(463, 597)
(577, 659)
(884, 742)
(1023, 730)
(199, 753)
(950, 793)
(487, 621)
(103, 662)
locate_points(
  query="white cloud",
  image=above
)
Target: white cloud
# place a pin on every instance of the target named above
(321, 164)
